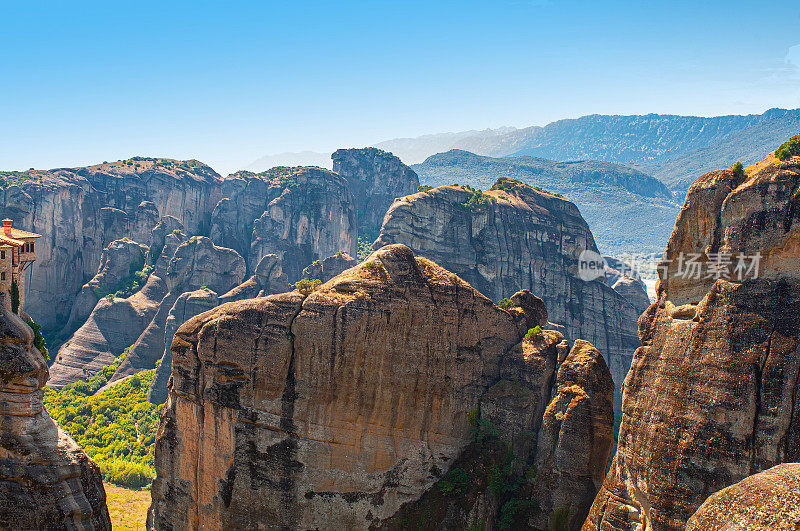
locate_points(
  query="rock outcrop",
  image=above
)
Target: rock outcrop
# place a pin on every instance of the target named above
(514, 237)
(711, 397)
(118, 261)
(767, 500)
(46, 481)
(268, 279)
(330, 267)
(627, 282)
(376, 178)
(117, 323)
(335, 408)
(80, 211)
(300, 214)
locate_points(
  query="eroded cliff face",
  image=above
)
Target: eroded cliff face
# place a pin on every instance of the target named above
(336, 408)
(115, 323)
(300, 214)
(711, 397)
(46, 481)
(80, 211)
(514, 237)
(376, 178)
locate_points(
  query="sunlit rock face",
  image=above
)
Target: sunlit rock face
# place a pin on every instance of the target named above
(711, 397)
(332, 409)
(515, 237)
(46, 481)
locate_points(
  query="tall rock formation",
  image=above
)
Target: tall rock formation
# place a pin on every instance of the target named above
(300, 214)
(767, 500)
(268, 279)
(117, 323)
(711, 397)
(46, 481)
(79, 211)
(626, 281)
(376, 178)
(514, 237)
(335, 408)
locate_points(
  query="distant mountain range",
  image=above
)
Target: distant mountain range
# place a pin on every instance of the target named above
(627, 210)
(675, 149)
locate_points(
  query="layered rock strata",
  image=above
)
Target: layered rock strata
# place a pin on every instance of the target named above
(137, 321)
(335, 408)
(46, 481)
(515, 237)
(711, 397)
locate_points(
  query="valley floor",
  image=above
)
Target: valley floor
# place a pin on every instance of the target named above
(127, 507)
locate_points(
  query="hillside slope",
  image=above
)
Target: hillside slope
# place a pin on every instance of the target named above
(673, 148)
(627, 210)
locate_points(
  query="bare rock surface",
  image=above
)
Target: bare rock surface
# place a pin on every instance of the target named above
(80, 211)
(46, 481)
(376, 178)
(117, 262)
(268, 279)
(514, 237)
(767, 500)
(336, 408)
(711, 397)
(300, 214)
(627, 282)
(118, 323)
(329, 267)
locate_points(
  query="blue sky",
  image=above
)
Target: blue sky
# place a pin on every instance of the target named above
(228, 82)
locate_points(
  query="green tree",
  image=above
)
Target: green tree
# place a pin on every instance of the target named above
(14, 293)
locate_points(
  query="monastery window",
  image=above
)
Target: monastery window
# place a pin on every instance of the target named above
(2, 255)
(3, 275)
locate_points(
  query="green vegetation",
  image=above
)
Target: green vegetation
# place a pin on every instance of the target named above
(375, 266)
(116, 428)
(307, 269)
(38, 340)
(306, 286)
(535, 333)
(559, 520)
(13, 292)
(138, 273)
(424, 188)
(365, 242)
(506, 186)
(789, 149)
(738, 171)
(505, 304)
(455, 482)
(478, 199)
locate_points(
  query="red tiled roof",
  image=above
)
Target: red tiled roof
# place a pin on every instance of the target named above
(18, 234)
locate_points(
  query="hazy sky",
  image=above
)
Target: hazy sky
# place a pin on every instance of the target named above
(228, 82)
